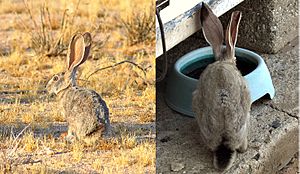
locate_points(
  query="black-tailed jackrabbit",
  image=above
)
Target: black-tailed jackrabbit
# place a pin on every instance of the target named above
(85, 111)
(222, 100)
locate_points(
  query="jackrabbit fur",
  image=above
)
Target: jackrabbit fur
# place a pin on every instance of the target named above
(85, 111)
(221, 100)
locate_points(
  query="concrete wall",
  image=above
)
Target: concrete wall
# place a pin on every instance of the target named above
(266, 25)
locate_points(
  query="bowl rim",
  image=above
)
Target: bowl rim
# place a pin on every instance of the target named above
(194, 55)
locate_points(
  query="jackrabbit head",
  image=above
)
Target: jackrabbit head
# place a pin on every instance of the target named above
(78, 53)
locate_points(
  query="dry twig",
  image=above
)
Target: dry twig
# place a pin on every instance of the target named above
(14, 144)
(119, 63)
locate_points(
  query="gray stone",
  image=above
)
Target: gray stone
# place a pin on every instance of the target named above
(176, 167)
(267, 25)
(275, 124)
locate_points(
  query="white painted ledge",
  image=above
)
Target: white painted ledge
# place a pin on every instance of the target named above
(181, 19)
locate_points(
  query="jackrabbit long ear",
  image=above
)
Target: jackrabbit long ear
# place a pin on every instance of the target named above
(79, 49)
(212, 29)
(88, 43)
(232, 32)
(75, 51)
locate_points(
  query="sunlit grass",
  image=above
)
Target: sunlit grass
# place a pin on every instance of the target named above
(124, 154)
(121, 159)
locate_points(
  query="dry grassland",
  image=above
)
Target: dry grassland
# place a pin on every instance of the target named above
(34, 38)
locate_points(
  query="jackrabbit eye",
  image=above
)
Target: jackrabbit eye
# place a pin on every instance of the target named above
(55, 78)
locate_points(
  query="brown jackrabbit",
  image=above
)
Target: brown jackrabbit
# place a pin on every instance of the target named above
(84, 109)
(221, 101)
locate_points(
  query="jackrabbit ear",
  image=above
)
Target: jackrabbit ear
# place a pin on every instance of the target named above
(232, 32)
(212, 29)
(88, 43)
(79, 49)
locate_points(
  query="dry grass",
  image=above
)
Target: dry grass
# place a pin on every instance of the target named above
(139, 27)
(115, 155)
(43, 27)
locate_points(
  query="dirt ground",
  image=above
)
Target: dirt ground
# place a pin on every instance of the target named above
(292, 167)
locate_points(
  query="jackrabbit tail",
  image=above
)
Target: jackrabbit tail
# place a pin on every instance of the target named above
(85, 111)
(221, 100)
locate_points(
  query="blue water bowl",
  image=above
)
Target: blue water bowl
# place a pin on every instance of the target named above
(184, 77)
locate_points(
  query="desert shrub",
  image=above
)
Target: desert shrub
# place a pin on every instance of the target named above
(139, 27)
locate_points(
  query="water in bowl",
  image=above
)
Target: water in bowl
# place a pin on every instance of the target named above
(194, 70)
